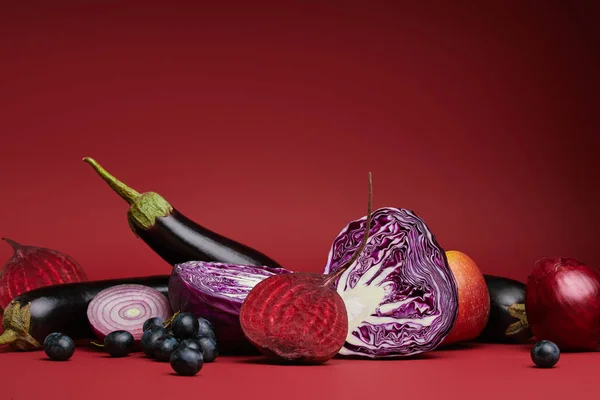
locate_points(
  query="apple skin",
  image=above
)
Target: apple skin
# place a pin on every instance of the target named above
(473, 299)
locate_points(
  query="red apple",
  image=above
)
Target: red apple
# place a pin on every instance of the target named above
(473, 299)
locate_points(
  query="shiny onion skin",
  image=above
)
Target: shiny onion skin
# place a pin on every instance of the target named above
(562, 301)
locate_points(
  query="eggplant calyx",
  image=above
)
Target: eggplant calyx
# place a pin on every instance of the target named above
(145, 207)
(517, 311)
(16, 322)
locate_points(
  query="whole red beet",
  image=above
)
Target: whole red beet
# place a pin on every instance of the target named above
(299, 317)
(32, 267)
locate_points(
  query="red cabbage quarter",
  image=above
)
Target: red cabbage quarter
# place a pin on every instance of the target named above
(215, 291)
(400, 294)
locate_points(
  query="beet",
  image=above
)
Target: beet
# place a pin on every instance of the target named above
(33, 267)
(299, 317)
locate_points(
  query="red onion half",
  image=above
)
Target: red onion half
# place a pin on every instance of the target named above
(126, 307)
(562, 302)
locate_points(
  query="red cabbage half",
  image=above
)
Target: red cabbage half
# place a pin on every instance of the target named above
(400, 294)
(215, 291)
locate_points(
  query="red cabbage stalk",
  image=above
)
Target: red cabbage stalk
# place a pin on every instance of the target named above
(216, 291)
(400, 294)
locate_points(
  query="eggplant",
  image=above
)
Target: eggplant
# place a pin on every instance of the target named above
(33, 315)
(507, 322)
(174, 237)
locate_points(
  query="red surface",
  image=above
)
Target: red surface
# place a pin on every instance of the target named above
(261, 122)
(485, 372)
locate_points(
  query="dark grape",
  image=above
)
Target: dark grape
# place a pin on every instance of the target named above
(191, 343)
(185, 326)
(156, 321)
(150, 337)
(545, 354)
(164, 347)
(51, 339)
(119, 343)
(59, 347)
(205, 329)
(209, 349)
(186, 361)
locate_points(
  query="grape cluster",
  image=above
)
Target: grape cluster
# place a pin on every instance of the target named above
(186, 342)
(187, 345)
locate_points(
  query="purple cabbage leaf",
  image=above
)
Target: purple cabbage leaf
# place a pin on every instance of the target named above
(400, 294)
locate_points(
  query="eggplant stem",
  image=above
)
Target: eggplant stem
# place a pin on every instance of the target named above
(128, 194)
(333, 277)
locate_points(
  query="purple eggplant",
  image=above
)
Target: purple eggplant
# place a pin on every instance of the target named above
(173, 236)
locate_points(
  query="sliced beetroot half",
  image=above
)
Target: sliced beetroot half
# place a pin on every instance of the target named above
(299, 317)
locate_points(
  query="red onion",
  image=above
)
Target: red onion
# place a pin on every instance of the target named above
(126, 307)
(562, 301)
(33, 267)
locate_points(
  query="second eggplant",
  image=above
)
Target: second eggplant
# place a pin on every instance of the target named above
(508, 320)
(173, 236)
(33, 315)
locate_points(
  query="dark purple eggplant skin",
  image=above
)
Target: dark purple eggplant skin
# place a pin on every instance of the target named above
(178, 239)
(504, 292)
(63, 308)
(173, 236)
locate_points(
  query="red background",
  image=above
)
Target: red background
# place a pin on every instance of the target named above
(261, 120)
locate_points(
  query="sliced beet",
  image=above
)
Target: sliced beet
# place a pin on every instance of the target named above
(299, 317)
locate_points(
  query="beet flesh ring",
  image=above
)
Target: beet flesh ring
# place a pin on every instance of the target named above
(295, 318)
(400, 294)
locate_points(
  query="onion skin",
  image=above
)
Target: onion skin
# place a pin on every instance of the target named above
(562, 300)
